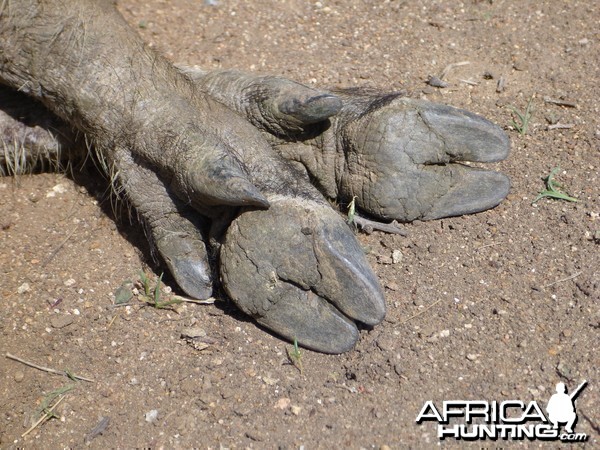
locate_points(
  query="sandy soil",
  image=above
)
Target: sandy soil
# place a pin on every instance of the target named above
(496, 306)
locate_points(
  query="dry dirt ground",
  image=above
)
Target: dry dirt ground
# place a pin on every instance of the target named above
(500, 305)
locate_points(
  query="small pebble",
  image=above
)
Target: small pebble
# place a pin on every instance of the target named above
(392, 286)
(384, 259)
(193, 333)
(472, 357)
(254, 435)
(18, 376)
(520, 65)
(283, 403)
(396, 257)
(58, 189)
(564, 370)
(534, 392)
(436, 82)
(501, 85)
(23, 288)
(151, 416)
(270, 381)
(433, 249)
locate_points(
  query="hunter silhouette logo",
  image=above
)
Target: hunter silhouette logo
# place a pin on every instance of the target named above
(509, 419)
(561, 407)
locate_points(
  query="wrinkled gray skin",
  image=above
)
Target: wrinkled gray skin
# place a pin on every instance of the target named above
(226, 159)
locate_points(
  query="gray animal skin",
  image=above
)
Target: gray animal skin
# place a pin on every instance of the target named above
(226, 161)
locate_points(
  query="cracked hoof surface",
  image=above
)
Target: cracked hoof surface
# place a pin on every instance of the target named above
(403, 161)
(298, 270)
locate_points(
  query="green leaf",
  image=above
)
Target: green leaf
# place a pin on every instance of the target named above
(552, 191)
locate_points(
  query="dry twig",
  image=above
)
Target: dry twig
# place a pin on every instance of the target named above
(489, 245)
(420, 312)
(558, 102)
(47, 415)
(208, 301)
(47, 369)
(562, 280)
(449, 67)
(368, 226)
(57, 249)
(560, 126)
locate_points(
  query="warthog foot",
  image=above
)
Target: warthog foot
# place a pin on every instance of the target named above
(200, 174)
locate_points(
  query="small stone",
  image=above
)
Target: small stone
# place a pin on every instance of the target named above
(386, 343)
(520, 65)
(69, 282)
(437, 82)
(397, 257)
(392, 286)
(151, 416)
(384, 259)
(501, 85)
(270, 381)
(58, 189)
(61, 321)
(18, 376)
(23, 288)
(243, 410)
(283, 403)
(534, 392)
(564, 370)
(434, 249)
(254, 435)
(419, 301)
(444, 333)
(192, 333)
(296, 409)
(124, 293)
(472, 357)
